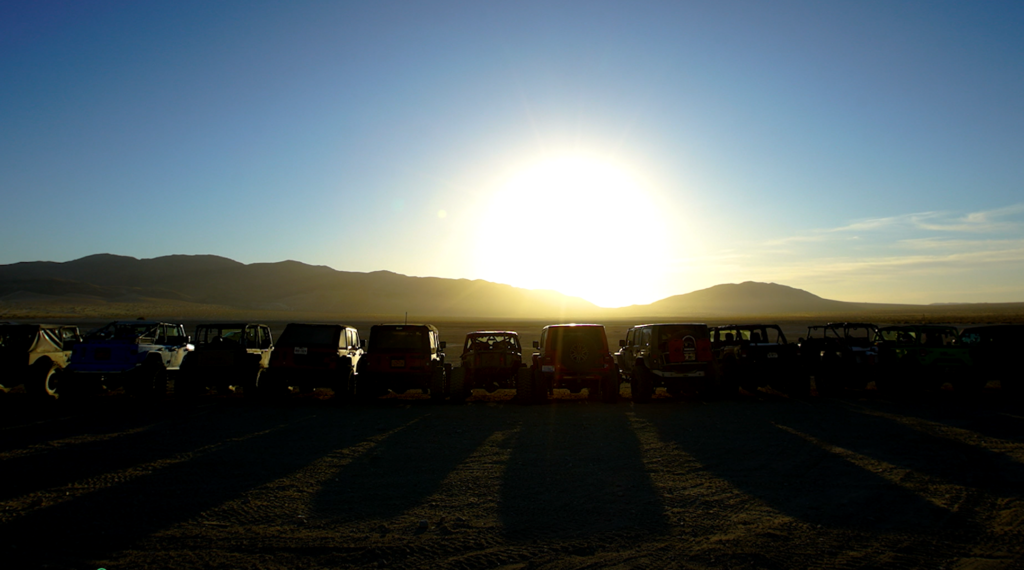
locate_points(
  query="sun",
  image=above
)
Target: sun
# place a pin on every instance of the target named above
(590, 227)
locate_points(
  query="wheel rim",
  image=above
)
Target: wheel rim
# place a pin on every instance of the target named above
(52, 383)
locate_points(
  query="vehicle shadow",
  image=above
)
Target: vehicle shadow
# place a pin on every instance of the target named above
(576, 470)
(953, 449)
(110, 437)
(767, 450)
(404, 469)
(992, 414)
(220, 459)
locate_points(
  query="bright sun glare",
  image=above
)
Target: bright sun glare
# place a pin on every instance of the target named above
(592, 230)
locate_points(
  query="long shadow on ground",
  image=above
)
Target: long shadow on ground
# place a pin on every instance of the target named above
(405, 468)
(748, 445)
(885, 433)
(251, 447)
(112, 437)
(576, 470)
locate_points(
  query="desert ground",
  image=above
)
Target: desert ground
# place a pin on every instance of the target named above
(751, 481)
(754, 481)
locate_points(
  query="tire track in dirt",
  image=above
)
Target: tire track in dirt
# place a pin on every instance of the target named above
(21, 506)
(57, 444)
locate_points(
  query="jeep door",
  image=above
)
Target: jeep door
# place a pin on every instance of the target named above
(174, 347)
(627, 354)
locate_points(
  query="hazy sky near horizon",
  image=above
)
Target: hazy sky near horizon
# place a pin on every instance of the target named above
(618, 151)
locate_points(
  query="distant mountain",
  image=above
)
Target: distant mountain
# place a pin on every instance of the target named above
(750, 298)
(210, 286)
(283, 286)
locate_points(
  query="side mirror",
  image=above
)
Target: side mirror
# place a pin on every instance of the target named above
(362, 343)
(536, 344)
(622, 343)
(443, 345)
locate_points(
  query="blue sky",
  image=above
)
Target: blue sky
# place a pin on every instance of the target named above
(864, 151)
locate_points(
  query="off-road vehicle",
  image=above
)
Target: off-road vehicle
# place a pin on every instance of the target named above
(490, 361)
(757, 355)
(35, 356)
(995, 352)
(676, 356)
(573, 357)
(309, 356)
(134, 355)
(403, 357)
(918, 357)
(226, 355)
(847, 359)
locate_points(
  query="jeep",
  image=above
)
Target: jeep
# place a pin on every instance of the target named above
(490, 361)
(915, 357)
(134, 355)
(309, 356)
(676, 356)
(995, 354)
(573, 357)
(226, 355)
(846, 359)
(752, 356)
(401, 358)
(34, 355)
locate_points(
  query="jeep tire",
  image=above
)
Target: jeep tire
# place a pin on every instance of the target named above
(527, 386)
(642, 385)
(343, 385)
(460, 385)
(437, 385)
(43, 378)
(610, 386)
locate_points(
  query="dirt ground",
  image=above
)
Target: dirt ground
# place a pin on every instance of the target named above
(749, 482)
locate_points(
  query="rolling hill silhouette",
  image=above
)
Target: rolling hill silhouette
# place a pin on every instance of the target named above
(282, 286)
(750, 298)
(208, 284)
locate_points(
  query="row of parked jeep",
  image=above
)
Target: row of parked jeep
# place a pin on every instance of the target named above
(142, 356)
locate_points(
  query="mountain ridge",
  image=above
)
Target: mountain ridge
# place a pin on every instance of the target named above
(215, 283)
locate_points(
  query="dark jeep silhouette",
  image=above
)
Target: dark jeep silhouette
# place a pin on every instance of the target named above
(995, 352)
(490, 361)
(309, 356)
(757, 355)
(676, 356)
(401, 358)
(918, 357)
(226, 355)
(573, 357)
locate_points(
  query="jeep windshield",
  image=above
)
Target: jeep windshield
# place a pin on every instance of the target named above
(322, 336)
(206, 334)
(753, 335)
(860, 335)
(17, 337)
(562, 337)
(127, 332)
(400, 340)
(492, 342)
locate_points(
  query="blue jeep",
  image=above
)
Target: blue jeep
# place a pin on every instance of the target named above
(134, 355)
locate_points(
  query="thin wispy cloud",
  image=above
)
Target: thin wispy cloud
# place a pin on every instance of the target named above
(999, 220)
